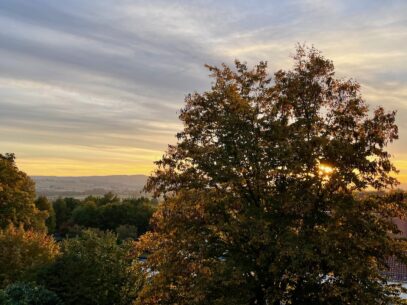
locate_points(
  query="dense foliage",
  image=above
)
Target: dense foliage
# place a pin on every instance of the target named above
(21, 293)
(261, 193)
(94, 270)
(63, 208)
(23, 253)
(94, 267)
(17, 195)
(127, 217)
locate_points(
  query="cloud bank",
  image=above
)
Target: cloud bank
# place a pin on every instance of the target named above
(94, 87)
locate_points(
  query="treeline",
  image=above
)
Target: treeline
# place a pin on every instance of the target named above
(67, 251)
(127, 217)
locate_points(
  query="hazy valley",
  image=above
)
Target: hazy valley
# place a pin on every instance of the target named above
(122, 185)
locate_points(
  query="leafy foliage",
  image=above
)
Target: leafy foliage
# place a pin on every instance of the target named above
(261, 191)
(22, 253)
(105, 213)
(17, 195)
(94, 270)
(21, 293)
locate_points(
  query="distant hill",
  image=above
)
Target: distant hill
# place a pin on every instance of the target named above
(123, 185)
(80, 187)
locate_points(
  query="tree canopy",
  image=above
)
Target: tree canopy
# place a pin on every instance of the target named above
(129, 217)
(94, 269)
(261, 191)
(23, 253)
(17, 196)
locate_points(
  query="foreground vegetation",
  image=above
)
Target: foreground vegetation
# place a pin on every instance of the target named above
(68, 251)
(260, 206)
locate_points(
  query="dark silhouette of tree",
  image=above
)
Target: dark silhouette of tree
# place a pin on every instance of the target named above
(261, 193)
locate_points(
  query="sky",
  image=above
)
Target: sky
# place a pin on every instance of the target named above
(95, 87)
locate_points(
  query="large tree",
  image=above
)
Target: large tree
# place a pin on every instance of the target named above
(262, 193)
(17, 197)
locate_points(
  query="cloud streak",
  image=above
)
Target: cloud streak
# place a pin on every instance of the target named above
(85, 84)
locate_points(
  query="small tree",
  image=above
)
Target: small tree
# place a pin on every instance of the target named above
(23, 253)
(43, 204)
(17, 195)
(262, 203)
(94, 270)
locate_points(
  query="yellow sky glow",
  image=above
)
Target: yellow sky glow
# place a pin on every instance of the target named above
(78, 99)
(133, 164)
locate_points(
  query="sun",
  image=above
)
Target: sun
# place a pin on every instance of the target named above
(325, 170)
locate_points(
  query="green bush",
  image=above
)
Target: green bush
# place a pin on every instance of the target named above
(94, 270)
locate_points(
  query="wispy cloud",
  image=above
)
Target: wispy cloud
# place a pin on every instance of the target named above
(90, 87)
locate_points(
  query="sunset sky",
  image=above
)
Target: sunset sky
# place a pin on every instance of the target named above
(95, 87)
